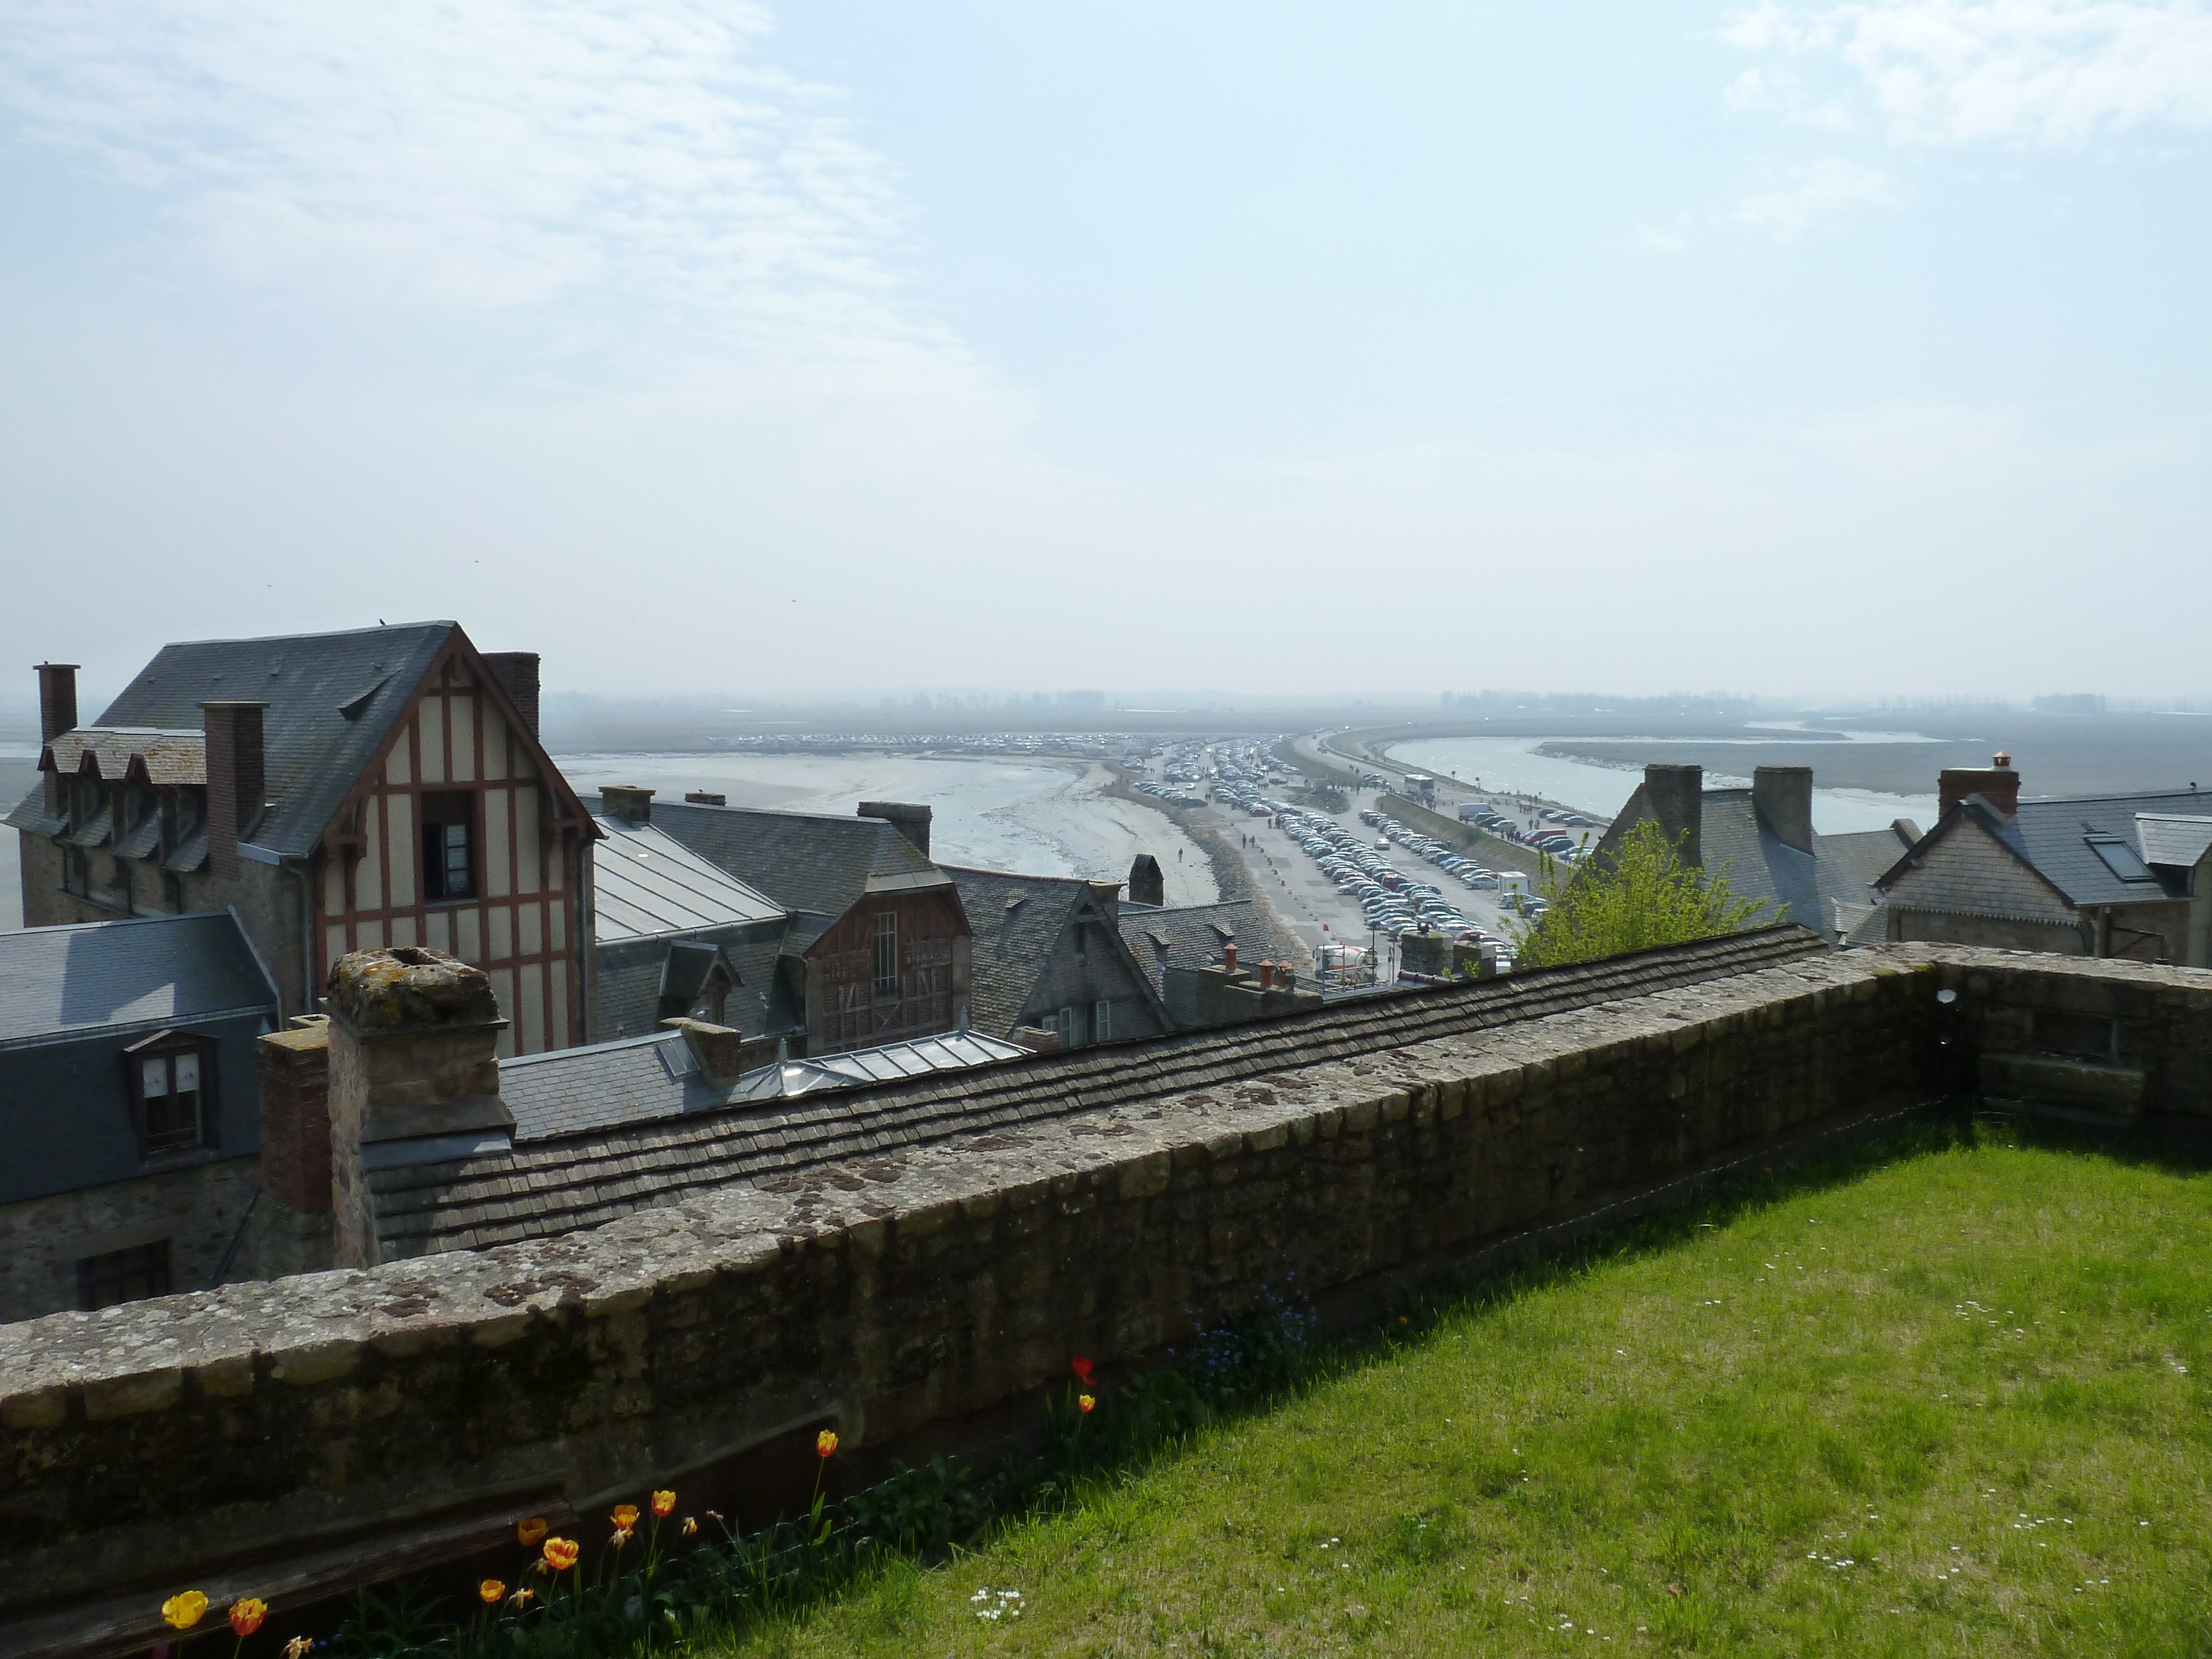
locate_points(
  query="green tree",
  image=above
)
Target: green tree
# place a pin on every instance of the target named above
(1645, 896)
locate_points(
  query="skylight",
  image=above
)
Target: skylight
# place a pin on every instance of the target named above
(2119, 858)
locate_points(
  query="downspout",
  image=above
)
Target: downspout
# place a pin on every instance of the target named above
(298, 868)
(587, 930)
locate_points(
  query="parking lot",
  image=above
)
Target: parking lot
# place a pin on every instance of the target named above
(1340, 877)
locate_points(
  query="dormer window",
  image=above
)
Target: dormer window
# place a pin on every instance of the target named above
(449, 846)
(171, 1078)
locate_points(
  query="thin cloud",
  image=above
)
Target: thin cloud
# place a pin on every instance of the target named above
(636, 166)
(2058, 74)
(1791, 201)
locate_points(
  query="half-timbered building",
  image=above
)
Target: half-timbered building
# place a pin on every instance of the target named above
(339, 792)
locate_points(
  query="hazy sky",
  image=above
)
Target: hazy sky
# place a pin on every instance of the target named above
(1653, 346)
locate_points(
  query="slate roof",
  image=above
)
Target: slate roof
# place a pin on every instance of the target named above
(1013, 923)
(647, 1079)
(2088, 846)
(549, 1187)
(107, 752)
(2176, 842)
(157, 970)
(648, 883)
(1191, 936)
(814, 861)
(332, 698)
(1828, 890)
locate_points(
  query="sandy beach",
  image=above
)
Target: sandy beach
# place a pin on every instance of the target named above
(1039, 817)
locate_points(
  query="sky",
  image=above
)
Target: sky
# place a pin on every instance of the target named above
(1798, 349)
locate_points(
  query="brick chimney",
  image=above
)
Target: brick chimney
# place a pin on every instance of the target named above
(414, 1039)
(628, 802)
(292, 1069)
(1995, 783)
(910, 821)
(1782, 797)
(236, 781)
(57, 714)
(1676, 794)
(517, 672)
(1146, 885)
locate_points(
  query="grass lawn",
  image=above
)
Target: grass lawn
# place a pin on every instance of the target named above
(1951, 1402)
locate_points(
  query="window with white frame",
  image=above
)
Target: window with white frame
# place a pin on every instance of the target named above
(1101, 1020)
(172, 1084)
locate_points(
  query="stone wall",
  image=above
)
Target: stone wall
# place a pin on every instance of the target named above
(158, 1441)
(196, 1209)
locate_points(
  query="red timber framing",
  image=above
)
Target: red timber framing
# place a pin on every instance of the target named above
(464, 753)
(845, 1008)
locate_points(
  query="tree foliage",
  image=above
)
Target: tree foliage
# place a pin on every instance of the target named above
(1645, 896)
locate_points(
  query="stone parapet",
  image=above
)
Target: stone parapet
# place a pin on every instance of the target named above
(158, 1442)
(887, 1296)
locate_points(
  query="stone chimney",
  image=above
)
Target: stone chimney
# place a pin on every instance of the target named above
(57, 714)
(414, 1039)
(910, 821)
(1995, 783)
(1146, 885)
(1782, 797)
(1676, 794)
(720, 1052)
(628, 802)
(1109, 897)
(517, 672)
(235, 779)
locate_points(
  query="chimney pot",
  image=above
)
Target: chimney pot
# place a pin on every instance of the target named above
(1229, 956)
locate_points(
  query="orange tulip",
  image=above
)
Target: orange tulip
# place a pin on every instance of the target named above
(825, 1443)
(690, 1525)
(560, 1553)
(299, 1647)
(489, 1591)
(529, 1532)
(663, 1502)
(247, 1614)
(625, 1516)
(184, 1611)
(621, 1537)
(1086, 1404)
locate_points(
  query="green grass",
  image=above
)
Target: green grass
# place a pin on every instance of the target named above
(1951, 1404)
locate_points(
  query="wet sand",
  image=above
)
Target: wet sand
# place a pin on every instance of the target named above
(1036, 818)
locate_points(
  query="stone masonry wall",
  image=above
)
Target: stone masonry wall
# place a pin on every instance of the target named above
(155, 1441)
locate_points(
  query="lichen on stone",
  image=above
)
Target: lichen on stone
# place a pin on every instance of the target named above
(406, 987)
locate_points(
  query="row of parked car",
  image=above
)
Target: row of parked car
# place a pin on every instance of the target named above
(1565, 836)
(1393, 903)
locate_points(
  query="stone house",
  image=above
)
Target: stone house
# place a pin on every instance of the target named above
(128, 1107)
(339, 792)
(877, 946)
(1762, 840)
(2081, 875)
(1048, 955)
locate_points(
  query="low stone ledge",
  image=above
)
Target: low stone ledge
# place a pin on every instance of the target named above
(268, 1413)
